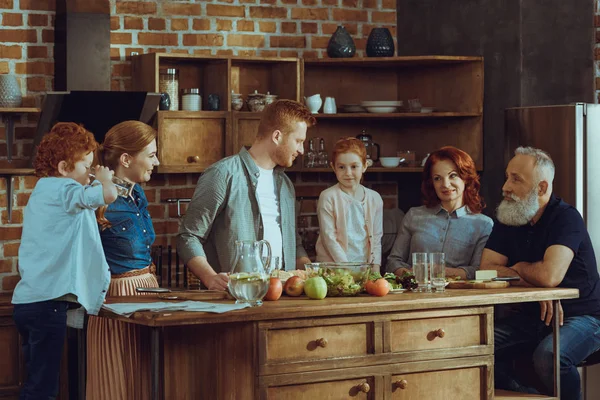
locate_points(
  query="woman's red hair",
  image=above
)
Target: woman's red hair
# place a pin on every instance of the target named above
(467, 172)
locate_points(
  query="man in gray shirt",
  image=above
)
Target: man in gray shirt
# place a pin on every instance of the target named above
(226, 205)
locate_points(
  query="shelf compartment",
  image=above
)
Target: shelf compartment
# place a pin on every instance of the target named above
(279, 76)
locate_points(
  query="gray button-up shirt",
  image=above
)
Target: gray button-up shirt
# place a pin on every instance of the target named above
(461, 235)
(225, 208)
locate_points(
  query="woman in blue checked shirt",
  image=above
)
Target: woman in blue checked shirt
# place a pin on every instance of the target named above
(450, 221)
(118, 365)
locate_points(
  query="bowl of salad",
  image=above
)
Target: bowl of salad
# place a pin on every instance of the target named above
(343, 279)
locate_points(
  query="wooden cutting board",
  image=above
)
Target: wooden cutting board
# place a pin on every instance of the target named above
(477, 285)
(198, 295)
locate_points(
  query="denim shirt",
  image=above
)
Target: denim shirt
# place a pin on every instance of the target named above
(128, 241)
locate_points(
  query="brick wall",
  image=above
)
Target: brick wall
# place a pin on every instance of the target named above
(239, 27)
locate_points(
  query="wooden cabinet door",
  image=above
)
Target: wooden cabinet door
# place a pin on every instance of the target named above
(191, 141)
(361, 388)
(459, 384)
(10, 361)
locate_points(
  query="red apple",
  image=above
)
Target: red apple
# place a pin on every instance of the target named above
(294, 286)
(275, 289)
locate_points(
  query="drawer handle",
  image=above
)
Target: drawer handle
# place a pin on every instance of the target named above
(193, 159)
(402, 384)
(440, 333)
(322, 342)
(364, 387)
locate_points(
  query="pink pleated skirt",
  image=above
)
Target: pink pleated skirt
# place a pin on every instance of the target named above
(118, 353)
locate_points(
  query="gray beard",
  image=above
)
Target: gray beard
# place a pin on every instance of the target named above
(518, 212)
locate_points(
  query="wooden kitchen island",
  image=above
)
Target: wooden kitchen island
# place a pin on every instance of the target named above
(401, 346)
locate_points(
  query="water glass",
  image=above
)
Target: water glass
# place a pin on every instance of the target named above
(124, 188)
(420, 264)
(437, 265)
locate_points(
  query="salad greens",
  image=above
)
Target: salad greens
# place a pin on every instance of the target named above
(406, 281)
(342, 281)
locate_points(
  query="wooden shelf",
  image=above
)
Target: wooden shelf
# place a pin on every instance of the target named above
(370, 169)
(20, 110)
(410, 61)
(397, 115)
(16, 171)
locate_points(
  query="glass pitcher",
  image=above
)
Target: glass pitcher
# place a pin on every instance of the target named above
(249, 277)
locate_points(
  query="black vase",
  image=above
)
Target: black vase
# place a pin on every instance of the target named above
(165, 102)
(341, 44)
(380, 43)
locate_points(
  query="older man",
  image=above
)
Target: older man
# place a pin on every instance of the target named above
(248, 197)
(544, 241)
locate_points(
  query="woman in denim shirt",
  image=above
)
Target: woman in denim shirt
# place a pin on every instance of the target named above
(118, 365)
(450, 222)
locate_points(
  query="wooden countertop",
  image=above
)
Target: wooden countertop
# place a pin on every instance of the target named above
(302, 307)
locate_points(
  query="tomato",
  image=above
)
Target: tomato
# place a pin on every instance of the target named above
(275, 289)
(294, 286)
(380, 287)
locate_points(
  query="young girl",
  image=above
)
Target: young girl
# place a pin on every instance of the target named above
(350, 215)
(61, 261)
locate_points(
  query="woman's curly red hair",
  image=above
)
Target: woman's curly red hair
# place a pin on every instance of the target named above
(66, 141)
(467, 172)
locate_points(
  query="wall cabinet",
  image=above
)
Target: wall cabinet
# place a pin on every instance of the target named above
(451, 85)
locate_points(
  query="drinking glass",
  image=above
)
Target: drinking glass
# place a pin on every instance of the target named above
(124, 188)
(437, 265)
(420, 266)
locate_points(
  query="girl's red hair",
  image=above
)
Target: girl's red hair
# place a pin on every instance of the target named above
(349, 145)
(467, 172)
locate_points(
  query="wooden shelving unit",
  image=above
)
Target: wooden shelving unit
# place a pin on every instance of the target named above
(452, 85)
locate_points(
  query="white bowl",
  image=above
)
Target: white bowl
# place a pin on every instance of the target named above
(389, 162)
(381, 110)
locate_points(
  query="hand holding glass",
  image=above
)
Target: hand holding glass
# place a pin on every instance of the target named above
(437, 265)
(124, 188)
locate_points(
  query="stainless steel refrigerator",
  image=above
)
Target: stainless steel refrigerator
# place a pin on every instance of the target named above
(571, 135)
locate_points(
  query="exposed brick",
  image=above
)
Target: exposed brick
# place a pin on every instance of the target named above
(157, 24)
(330, 2)
(127, 85)
(289, 27)
(370, 4)
(384, 17)
(35, 68)
(179, 24)
(310, 54)
(11, 19)
(11, 249)
(120, 38)
(246, 53)
(10, 51)
(36, 84)
(166, 227)
(136, 7)
(4, 69)
(288, 53)
(245, 26)
(9, 282)
(18, 35)
(201, 25)
(308, 207)
(309, 27)
(246, 40)
(48, 36)
(267, 26)
(288, 41)
(24, 132)
(157, 211)
(115, 85)
(181, 9)
(168, 193)
(202, 52)
(115, 23)
(15, 218)
(319, 42)
(133, 23)
(115, 53)
(268, 1)
(121, 69)
(391, 4)
(310, 14)
(225, 52)
(157, 50)
(37, 20)
(203, 40)
(10, 233)
(37, 52)
(172, 211)
(22, 199)
(289, 2)
(268, 12)
(47, 5)
(224, 25)
(225, 11)
(160, 39)
(349, 15)
(309, 2)
(248, 1)
(30, 181)
(350, 3)
(6, 4)
(130, 50)
(177, 180)
(331, 28)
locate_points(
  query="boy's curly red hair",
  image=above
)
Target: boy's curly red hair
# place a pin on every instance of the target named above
(66, 141)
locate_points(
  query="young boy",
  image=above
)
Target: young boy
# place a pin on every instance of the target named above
(61, 261)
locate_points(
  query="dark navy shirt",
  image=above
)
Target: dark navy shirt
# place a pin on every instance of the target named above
(128, 241)
(560, 224)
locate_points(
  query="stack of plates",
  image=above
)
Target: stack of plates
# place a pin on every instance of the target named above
(353, 108)
(381, 106)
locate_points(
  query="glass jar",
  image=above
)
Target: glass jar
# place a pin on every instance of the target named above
(168, 82)
(191, 100)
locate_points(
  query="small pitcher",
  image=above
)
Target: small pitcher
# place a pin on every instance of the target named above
(329, 107)
(249, 277)
(313, 103)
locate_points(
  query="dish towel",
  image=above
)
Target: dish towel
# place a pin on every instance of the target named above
(126, 309)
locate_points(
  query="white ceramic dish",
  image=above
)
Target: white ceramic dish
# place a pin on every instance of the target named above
(381, 109)
(398, 290)
(389, 162)
(426, 110)
(381, 103)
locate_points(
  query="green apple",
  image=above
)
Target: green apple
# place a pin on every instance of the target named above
(315, 288)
